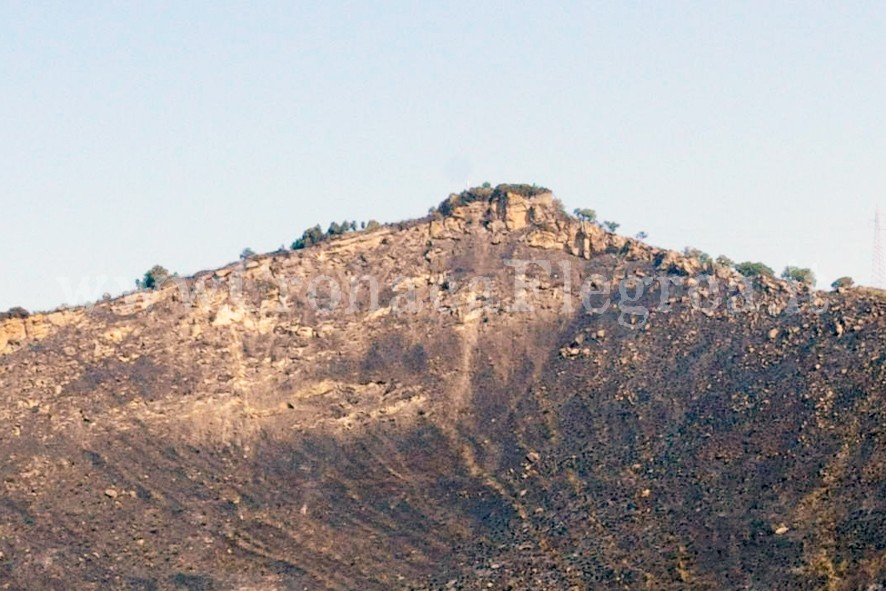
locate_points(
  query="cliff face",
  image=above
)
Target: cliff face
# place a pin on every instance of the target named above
(499, 396)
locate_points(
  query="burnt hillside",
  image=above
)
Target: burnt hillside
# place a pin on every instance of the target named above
(498, 396)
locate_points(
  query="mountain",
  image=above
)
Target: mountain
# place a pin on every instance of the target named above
(496, 396)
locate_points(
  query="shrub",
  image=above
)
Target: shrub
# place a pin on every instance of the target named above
(725, 261)
(695, 253)
(641, 235)
(612, 226)
(799, 274)
(587, 215)
(843, 283)
(749, 269)
(247, 253)
(372, 225)
(310, 237)
(155, 277)
(336, 229)
(315, 235)
(16, 312)
(521, 189)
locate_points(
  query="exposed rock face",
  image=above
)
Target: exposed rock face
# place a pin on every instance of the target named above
(20, 329)
(534, 210)
(498, 414)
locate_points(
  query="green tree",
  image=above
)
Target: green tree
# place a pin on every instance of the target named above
(247, 253)
(799, 274)
(612, 226)
(310, 237)
(843, 283)
(750, 269)
(155, 277)
(372, 225)
(587, 215)
(641, 235)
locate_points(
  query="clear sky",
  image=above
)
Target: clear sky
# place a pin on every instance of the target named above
(181, 132)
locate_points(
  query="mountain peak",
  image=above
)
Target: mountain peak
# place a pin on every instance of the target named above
(517, 204)
(531, 215)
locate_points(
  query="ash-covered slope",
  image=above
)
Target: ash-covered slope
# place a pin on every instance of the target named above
(495, 397)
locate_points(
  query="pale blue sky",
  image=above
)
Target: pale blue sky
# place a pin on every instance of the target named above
(181, 132)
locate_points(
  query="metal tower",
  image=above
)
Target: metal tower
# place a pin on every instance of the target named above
(878, 273)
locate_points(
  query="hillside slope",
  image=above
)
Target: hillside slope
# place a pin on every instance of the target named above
(269, 425)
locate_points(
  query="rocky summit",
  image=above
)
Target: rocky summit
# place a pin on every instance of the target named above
(496, 396)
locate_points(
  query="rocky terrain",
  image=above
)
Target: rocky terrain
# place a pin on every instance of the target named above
(497, 396)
